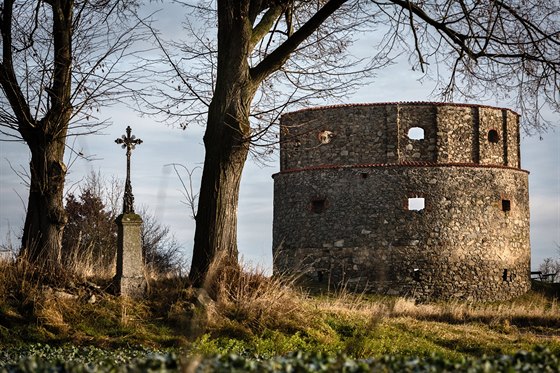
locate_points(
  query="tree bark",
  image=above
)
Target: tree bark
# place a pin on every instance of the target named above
(45, 218)
(227, 145)
(227, 136)
(215, 242)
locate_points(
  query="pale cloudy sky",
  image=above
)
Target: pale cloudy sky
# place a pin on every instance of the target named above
(156, 186)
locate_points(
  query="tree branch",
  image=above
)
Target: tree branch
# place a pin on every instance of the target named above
(60, 90)
(456, 37)
(174, 65)
(529, 24)
(416, 42)
(8, 79)
(278, 57)
(266, 22)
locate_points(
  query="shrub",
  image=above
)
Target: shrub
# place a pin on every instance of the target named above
(90, 236)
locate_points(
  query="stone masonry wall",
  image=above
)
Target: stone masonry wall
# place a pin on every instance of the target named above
(365, 236)
(378, 133)
(342, 214)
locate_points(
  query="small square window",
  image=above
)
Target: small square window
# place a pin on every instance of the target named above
(416, 204)
(318, 205)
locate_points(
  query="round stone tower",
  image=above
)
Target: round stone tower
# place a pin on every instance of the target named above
(419, 199)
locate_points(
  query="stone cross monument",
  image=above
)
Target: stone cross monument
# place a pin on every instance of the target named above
(129, 279)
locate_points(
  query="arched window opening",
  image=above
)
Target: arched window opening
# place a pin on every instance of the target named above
(493, 136)
(416, 133)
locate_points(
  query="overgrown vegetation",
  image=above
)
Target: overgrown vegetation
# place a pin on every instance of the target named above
(253, 316)
(73, 359)
(90, 237)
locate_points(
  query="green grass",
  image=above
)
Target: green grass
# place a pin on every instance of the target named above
(403, 336)
(255, 316)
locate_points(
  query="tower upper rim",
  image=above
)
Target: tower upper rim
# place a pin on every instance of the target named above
(400, 103)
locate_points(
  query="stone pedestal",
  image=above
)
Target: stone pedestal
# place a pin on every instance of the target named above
(129, 279)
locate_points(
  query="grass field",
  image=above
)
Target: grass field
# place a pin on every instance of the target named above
(254, 316)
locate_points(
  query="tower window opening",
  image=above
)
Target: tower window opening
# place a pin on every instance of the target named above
(364, 175)
(505, 275)
(416, 204)
(416, 133)
(506, 205)
(318, 205)
(493, 136)
(325, 137)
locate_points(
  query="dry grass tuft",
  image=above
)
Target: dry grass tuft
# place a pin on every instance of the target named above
(531, 309)
(36, 306)
(85, 265)
(248, 297)
(353, 305)
(250, 311)
(19, 279)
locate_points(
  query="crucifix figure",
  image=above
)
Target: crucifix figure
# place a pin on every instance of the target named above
(129, 143)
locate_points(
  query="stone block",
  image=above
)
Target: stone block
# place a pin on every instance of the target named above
(129, 279)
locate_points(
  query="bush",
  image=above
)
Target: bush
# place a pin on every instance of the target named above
(90, 236)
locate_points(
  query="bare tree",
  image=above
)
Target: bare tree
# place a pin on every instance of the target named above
(237, 81)
(61, 60)
(505, 49)
(267, 55)
(550, 268)
(189, 195)
(162, 253)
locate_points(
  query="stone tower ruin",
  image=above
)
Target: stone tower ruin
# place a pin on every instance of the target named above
(418, 199)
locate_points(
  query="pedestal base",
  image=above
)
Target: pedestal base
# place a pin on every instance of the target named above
(129, 280)
(132, 287)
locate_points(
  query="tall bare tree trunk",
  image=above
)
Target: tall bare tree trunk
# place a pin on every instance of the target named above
(45, 218)
(216, 219)
(227, 136)
(226, 144)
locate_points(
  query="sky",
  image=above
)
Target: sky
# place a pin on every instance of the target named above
(157, 187)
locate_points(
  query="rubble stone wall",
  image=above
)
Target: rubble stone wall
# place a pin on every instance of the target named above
(344, 214)
(378, 133)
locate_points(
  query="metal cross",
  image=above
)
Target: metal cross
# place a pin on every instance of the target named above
(129, 143)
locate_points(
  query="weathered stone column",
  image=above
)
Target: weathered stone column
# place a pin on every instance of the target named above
(130, 266)
(129, 279)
